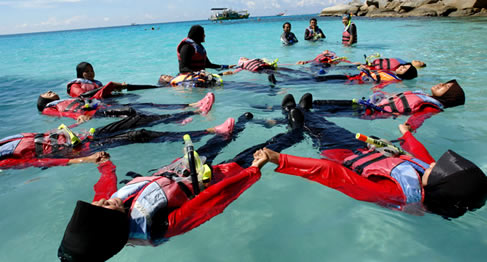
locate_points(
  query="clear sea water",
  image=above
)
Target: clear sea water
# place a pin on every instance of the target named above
(280, 218)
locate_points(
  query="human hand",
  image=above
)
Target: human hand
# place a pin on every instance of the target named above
(260, 159)
(232, 66)
(300, 62)
(272, 155)
(82, 119)
(404, 128)
(228, 73)
(98, 157)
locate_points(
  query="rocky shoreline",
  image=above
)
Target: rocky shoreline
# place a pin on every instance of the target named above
(407, 8)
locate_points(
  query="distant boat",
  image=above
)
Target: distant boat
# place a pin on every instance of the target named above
(133, 24)
(228, 14)
(281, 14)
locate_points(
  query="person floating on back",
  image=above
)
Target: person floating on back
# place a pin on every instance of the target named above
(85, 85)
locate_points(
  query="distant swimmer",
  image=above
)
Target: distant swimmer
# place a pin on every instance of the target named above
(85, 84)
(349, 35)
(288, 37)
(192, 55)
(313, 32)
(326, 58)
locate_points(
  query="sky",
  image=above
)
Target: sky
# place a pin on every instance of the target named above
(26, 16)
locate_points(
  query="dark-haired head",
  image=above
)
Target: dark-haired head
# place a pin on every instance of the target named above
(313, 19)
(406, 71)
(45, 99)
(94, 233)
(455, 186)
(197, 34)
(287, 23)
(82, 68)
(449, 94)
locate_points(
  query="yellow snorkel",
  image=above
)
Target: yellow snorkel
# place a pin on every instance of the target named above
(198, 170)
(73, 138)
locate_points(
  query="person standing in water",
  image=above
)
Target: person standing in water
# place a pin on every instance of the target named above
(349, 36)
(191, 53)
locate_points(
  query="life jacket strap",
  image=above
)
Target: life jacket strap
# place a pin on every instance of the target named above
(361, 168)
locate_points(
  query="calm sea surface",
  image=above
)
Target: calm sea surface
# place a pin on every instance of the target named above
(280, 218)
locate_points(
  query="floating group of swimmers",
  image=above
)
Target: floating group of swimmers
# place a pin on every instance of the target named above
(149, 210)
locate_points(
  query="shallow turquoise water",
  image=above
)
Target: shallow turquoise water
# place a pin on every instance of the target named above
(281, 218)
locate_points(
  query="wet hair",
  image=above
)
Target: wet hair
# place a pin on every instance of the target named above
(411, 73)
(94, 234)
(453, 97)
(313, 19)
(42, 102)
(196, 33)
(455, 186)
(81, 68)
(347, 16)
(287, 23)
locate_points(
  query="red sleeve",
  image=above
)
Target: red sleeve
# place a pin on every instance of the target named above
(417, 119)
(105, 91)
(53, 111)
(75, 90)
(338, 177)
(107, 184)
(210, 202)
(413, 146)
(36, 162)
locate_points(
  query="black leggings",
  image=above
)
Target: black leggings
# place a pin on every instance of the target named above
(141, 136)
(139, 120)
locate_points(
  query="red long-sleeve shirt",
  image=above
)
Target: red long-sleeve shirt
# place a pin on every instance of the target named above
(68, 108)
(334, 175)
(76, 90)
(228, 183)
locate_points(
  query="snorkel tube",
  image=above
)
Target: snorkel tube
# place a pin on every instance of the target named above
(379, 143)
(189, 151)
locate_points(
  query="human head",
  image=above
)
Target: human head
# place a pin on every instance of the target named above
(197, 33)
(346, 19)
(45, 99)
(449, 94)
(164, 80)
(406, 71)
(418, 64)
(94, 233)
(313, 22)
(455, 186)
(85, 70)
(287, 27)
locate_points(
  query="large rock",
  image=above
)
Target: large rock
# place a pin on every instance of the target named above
(335, 10)
(464, 4)
(437, 9)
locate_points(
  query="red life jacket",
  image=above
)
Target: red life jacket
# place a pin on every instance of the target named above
(385, 64)
(408, 102)
(403, 170)
(151, 194)
(346, 34)
(85, 85)
(253, 65)
(71, 107)
(35, 145)
(329, 58)
(198, 60)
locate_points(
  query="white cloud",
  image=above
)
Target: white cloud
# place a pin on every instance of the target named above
(250, 4)
(36, 3)
(106, 19)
